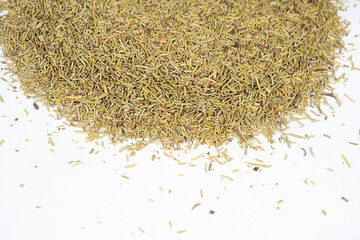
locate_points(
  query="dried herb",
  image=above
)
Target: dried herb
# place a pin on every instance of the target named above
(346, 160)
(36, 106)
(305, 153)
(174, 71)
(198, 204)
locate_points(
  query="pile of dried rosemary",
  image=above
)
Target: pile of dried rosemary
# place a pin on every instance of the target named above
(174, 71)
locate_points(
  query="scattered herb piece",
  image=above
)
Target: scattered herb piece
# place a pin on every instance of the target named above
(311, 152)
(346, 161)
(130, 166)
(258, 165)
(36, 106)
(325, 135)
(304, 151)
(198, 204)
(352, 100)
(141, 230)
(229, 178)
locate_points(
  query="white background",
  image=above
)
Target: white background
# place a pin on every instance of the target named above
(93, 200)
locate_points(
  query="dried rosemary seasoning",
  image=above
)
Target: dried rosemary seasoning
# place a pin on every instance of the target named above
(174, 71)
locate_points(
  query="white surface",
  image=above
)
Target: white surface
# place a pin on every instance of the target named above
(74, 200)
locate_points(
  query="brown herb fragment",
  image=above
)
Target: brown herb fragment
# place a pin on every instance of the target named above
(198, 204)
(91, 151)
(304, 151)
(36, 106)
(325, 135)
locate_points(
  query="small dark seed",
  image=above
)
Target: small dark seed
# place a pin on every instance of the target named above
(36, 106)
